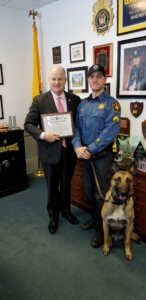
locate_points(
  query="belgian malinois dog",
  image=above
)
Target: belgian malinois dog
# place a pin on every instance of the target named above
(117, 211)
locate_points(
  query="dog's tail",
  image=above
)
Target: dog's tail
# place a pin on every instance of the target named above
(135, 237)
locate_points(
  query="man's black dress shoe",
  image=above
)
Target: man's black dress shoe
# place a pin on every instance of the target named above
(53, 224)
(97, 241)
(69, 217)
(88, 225)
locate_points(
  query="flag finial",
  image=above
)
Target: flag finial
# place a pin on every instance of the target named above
(34, 14)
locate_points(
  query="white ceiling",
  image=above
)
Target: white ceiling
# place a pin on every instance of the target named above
(25, 4)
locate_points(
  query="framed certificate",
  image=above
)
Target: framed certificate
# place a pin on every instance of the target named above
(61, 123)
(131, 16)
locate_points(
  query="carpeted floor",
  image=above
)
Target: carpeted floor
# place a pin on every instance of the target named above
(35, 265)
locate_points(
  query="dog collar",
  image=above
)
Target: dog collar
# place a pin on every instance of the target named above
(120, 202)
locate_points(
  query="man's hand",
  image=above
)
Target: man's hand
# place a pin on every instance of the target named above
(83, 152)
(51, 137)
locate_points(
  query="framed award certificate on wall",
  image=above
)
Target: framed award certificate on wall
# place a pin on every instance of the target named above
(131, 16)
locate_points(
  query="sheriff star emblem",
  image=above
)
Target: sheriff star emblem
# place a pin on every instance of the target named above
(101, 106)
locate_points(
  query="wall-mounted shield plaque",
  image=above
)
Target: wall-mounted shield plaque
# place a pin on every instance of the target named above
(136, 108)
(139, 153)
(144, 128)
(102, 16)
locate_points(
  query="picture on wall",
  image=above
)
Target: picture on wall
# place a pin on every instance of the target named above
(1, 108)
(56, 51)
(1, 75)
(143, 124)
(77, 52)
(102, 55)
(131, 16)
(131, 73)
(77, 79)
(107, 88)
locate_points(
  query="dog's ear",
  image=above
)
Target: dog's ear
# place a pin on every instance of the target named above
(132, 168)
(115, 167)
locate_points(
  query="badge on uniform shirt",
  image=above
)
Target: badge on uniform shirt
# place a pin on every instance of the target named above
(101, 106)
(116, 106)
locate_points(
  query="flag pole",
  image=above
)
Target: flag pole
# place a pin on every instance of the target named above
(37, 85)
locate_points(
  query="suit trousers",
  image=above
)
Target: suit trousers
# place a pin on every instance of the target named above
(58, 178)
(102, 165)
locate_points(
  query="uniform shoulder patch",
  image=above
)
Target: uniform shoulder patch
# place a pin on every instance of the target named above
(116, 106)
(116, 119)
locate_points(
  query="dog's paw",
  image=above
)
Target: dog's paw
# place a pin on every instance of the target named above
(129, 256)
(106, 251)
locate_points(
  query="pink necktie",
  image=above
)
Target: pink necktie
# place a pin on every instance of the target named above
(60, 105)
(60, 109)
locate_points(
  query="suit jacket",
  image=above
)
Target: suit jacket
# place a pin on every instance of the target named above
(44, 104)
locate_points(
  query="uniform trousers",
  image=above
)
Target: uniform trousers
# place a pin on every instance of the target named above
(58, 178)
(102, 165)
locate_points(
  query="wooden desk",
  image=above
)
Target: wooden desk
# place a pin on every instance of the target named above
(79, 198)
(12, 162)
(78, 195)
(140, 204)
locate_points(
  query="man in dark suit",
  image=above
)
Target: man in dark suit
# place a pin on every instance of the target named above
(57, 155)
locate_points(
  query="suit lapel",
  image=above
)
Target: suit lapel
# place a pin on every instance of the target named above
(68, 101)
(51, 103)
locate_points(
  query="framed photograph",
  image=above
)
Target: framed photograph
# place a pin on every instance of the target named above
(131, 16)
(143, 124)
(1, 108)
(1, 75)
(77, 52)
(131, 78)
(125, 126)
(62, 123)
(107, 88)
(103, 55)
(77, 79)
(56, 52)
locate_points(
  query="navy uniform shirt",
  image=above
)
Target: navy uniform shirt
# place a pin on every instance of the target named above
(97, 122)
(137, 77)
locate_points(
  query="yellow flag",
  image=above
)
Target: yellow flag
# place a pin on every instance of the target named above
(36, 86)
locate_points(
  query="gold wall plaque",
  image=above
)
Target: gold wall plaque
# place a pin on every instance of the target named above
(102, 16)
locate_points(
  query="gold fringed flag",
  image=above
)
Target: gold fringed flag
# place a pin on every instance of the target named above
(36, 86)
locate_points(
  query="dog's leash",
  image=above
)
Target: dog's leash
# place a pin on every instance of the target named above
(96, 180)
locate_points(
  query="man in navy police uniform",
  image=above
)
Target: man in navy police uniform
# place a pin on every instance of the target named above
(137, 78)
(97, 126)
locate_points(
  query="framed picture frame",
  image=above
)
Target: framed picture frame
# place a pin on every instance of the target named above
(125, 126)
(77, 52)
(56, 52)
(103, 55)
(107, 88)
(131, 16)
(131, 81)
(1, 75)
(62, 123)
(77, 79)
(143, 124)
(1, 108)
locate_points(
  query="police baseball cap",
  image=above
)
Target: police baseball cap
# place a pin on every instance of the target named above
(96, 68)
(136, 53)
